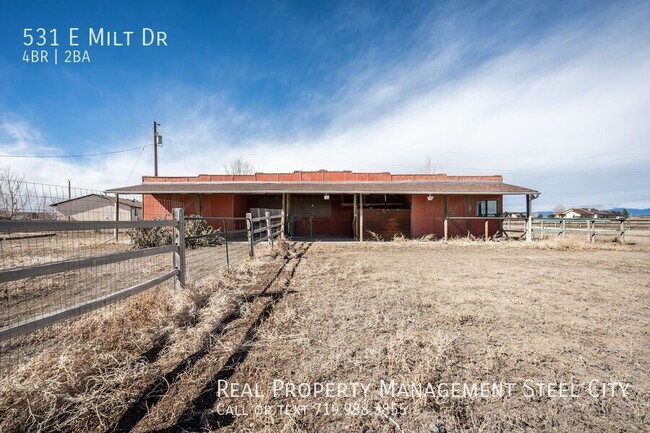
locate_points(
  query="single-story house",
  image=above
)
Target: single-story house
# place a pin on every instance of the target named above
(340, 204)
(97, 207)
(587, 213)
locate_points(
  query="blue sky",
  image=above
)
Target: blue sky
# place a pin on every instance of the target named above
(553, 96)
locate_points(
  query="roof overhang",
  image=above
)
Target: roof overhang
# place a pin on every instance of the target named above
(392, 187)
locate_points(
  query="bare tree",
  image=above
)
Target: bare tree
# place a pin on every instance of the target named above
(428, 167)
(239, 166)
(558, 209)
(12, 197)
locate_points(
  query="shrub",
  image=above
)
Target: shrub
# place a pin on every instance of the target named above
(148, 237)
(201, 228)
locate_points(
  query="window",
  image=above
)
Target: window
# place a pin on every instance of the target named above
(486, 208)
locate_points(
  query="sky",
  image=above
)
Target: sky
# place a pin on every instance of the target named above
(554, 96)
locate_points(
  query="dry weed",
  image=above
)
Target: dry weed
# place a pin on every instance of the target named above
(98, 366)
(459, 311)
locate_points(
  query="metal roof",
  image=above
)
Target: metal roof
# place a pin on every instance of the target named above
(372, 187)
(131, 203)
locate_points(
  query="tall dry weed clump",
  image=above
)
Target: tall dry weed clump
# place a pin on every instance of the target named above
(104, 360)
(97, 367)
(577, 243)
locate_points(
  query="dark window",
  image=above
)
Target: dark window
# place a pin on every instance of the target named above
(486, 208)
(380, 201)
(315, 206)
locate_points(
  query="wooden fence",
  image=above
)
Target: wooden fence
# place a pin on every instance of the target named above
(264, 228)
(590, 227)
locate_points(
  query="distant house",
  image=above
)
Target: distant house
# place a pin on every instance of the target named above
(587, 213)
(607, 214)
(97, 207)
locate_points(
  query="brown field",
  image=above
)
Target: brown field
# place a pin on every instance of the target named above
(415, 313)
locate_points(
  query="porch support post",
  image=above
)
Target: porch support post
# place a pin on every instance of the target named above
(500, 213)
(360, 217)
(287, 214)
(355, 218)
(284, 212)
(446, 222)
(529, 219)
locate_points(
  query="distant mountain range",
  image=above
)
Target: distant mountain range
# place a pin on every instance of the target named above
(634, 212)
(630, 211)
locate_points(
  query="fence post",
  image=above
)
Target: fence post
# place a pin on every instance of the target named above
(446, 229)
(269, 230)
(117, 216)
(622, 228)
(563, 226)
(282, 225)
(487, 229)
(178, 240)
(225, 231)
(529, 230)
(249, 233)
(361, 217)
(589, 228)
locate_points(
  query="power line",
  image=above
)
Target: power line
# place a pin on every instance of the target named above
(78, 155)
(134, 166)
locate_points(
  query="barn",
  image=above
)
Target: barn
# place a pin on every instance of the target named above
(341, 204)
(97, 207)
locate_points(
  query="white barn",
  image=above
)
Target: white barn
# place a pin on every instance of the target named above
(97, 207)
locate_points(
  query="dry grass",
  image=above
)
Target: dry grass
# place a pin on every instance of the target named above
(460, 311)
(410, 311)
(99, 365)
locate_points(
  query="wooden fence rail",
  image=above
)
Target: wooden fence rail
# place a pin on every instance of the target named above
(592, 227)
(259, 229)
(177, 249)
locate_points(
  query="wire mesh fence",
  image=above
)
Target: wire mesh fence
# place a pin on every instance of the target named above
(71, 251)
(38, 201)
(214, 244)
(50, 265)
(72, 271)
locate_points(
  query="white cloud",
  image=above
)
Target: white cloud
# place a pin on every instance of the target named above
(566, 115)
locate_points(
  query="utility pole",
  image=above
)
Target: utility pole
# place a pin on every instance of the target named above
(155, 148)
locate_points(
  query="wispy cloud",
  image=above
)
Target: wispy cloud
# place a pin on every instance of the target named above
(565, 113)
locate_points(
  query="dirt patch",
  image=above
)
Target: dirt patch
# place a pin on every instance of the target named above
(105, 362)
(401, 314)
(458, 312)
